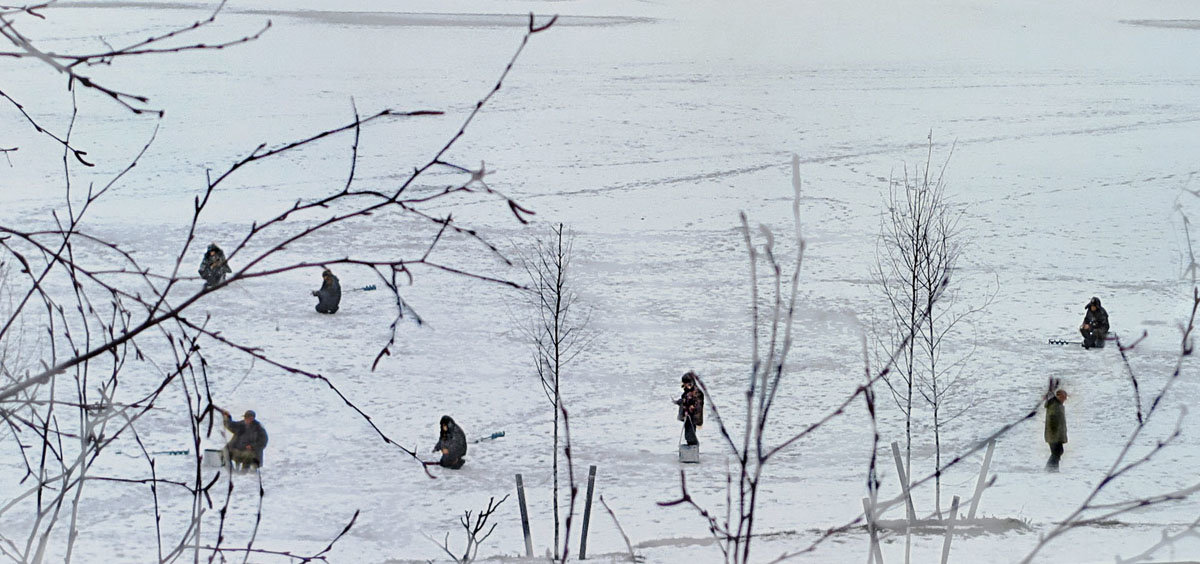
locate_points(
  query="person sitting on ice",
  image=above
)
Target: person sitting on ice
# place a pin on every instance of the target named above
(452, 443)
(1095, 325)
(245, 449)
(330, 294)
(213, 267)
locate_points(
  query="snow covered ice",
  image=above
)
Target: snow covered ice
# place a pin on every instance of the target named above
(645, 127)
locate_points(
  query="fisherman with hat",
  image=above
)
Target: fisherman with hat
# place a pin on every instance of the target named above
(1095, 325)
(245, 449)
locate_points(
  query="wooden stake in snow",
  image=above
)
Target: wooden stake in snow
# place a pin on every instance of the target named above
(587, 512)
(949, 530)
(875, 556)
(983, 470)
(524, 517)
(912, 512)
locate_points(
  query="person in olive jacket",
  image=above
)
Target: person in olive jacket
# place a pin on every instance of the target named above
(213, 267)
(249, 440)
(330, 294)
(1095, 325)
(452, 443)
(1056, 428)
(691, 408)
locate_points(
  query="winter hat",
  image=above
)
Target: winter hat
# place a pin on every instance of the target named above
(249, 413)
(689, 378)
(1095, 300)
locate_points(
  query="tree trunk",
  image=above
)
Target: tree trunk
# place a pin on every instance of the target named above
(555, 491)
(937, 462)
(559, 283)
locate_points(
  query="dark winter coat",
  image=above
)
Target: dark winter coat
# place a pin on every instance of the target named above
(691, 403)
(330, 294)
(213, 268)
(1096, 319)
(252, 434)
(1056, 421)
(454, 440)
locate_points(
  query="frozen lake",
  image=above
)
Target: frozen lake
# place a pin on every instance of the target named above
(646, 127)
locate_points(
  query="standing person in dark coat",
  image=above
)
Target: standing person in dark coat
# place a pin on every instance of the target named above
(691, 408)
(330, 294)
(213, 267)
(452, 443)
(245, 449)
(1095, 325)
(1056, 428)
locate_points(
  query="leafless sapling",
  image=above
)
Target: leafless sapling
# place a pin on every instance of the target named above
(556, 325)
(476, 531)
(920, 245)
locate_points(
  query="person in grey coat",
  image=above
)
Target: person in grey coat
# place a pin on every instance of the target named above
(249, 440)
(1056, 428)
(213, 268)
(330, 294)
(452, 443)
(1095, 325)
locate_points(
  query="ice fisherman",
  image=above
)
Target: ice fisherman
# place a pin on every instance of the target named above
(330, 294)
(213, 267)
(452, 443)
(691, 408)
(1095, 325)
(1056, 428)
(245, 449)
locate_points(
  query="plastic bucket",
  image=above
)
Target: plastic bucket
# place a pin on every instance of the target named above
(213, 458)
(689, 453)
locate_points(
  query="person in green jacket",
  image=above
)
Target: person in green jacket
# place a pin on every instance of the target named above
(1056, 428)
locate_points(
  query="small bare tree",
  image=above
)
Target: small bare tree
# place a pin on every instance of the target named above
(474, 530)
(920, 245)
(557, 330)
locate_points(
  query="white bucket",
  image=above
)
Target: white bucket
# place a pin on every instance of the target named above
(213, 458)
(689, 453)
